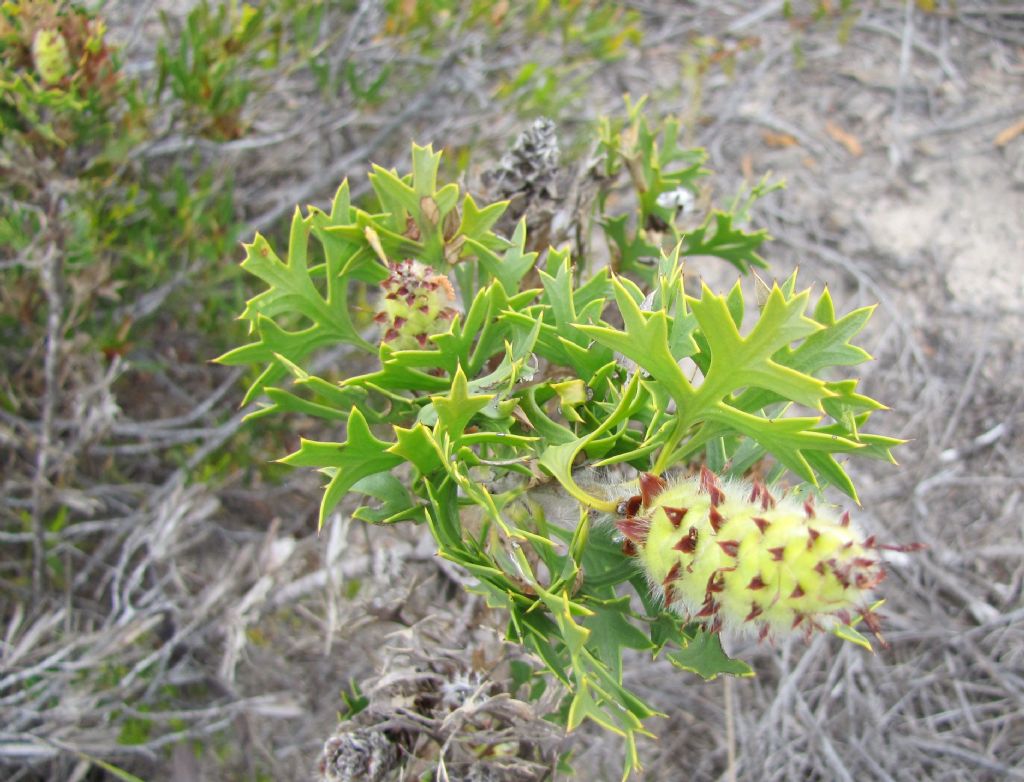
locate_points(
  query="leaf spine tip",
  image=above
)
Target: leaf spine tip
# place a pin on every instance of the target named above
(688, 543)
(675, 515)
(634, 530)
(730, 547)
(651, 486)
(715, 518)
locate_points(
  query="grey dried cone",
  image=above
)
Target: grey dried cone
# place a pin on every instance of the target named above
(432, 702)
(530, 166)
(555, 199)
(358, 755)
(528, 177)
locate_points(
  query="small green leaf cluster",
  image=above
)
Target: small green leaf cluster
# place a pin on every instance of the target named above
(588, 34)
(74, 140)
(59, 80)
(600, 29)
(667, 180)
(208, 67)
(549, 364)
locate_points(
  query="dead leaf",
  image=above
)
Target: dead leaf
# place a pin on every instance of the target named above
(428, 206)
(778, 140)
(498, 12)
(845, 138)
(747, 167)
(1006, 135)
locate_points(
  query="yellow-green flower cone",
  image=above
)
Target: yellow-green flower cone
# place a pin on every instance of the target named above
(50, 55)
(416, 304)
(732, 556)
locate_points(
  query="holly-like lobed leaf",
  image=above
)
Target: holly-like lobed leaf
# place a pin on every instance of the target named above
(703, 655)
(455, 410)
(346, 463)
(724, 241)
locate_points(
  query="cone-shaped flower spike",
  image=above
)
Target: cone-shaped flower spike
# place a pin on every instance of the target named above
(416, 304)
(731, 555)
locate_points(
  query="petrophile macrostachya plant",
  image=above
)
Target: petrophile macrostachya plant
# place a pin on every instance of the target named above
(509, 385)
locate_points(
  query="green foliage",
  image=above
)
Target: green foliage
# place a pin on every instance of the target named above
(589, 33)
(59, 80)
(550, 365)
(667, 181)
(600, 28)
(208, 67)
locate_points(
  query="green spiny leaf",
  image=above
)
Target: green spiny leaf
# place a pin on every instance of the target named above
(645, 341)
(455, 410)
(703, 656)
(360, 455)
(734, 245)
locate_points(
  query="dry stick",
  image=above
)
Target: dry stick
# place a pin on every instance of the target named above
(1015, 111)
(49, 272)
(947, 67)
(967, 392)
(949, 748)
(818, 732)
(906, 54)
(996, 31)
(329, 177)
(730, 731)
(755, 17)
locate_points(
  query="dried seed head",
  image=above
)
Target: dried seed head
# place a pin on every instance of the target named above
(530, 166)
(359, 755)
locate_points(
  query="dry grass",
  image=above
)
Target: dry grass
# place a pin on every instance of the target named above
(212, 612)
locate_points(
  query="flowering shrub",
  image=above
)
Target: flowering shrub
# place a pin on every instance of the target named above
(503, 373)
